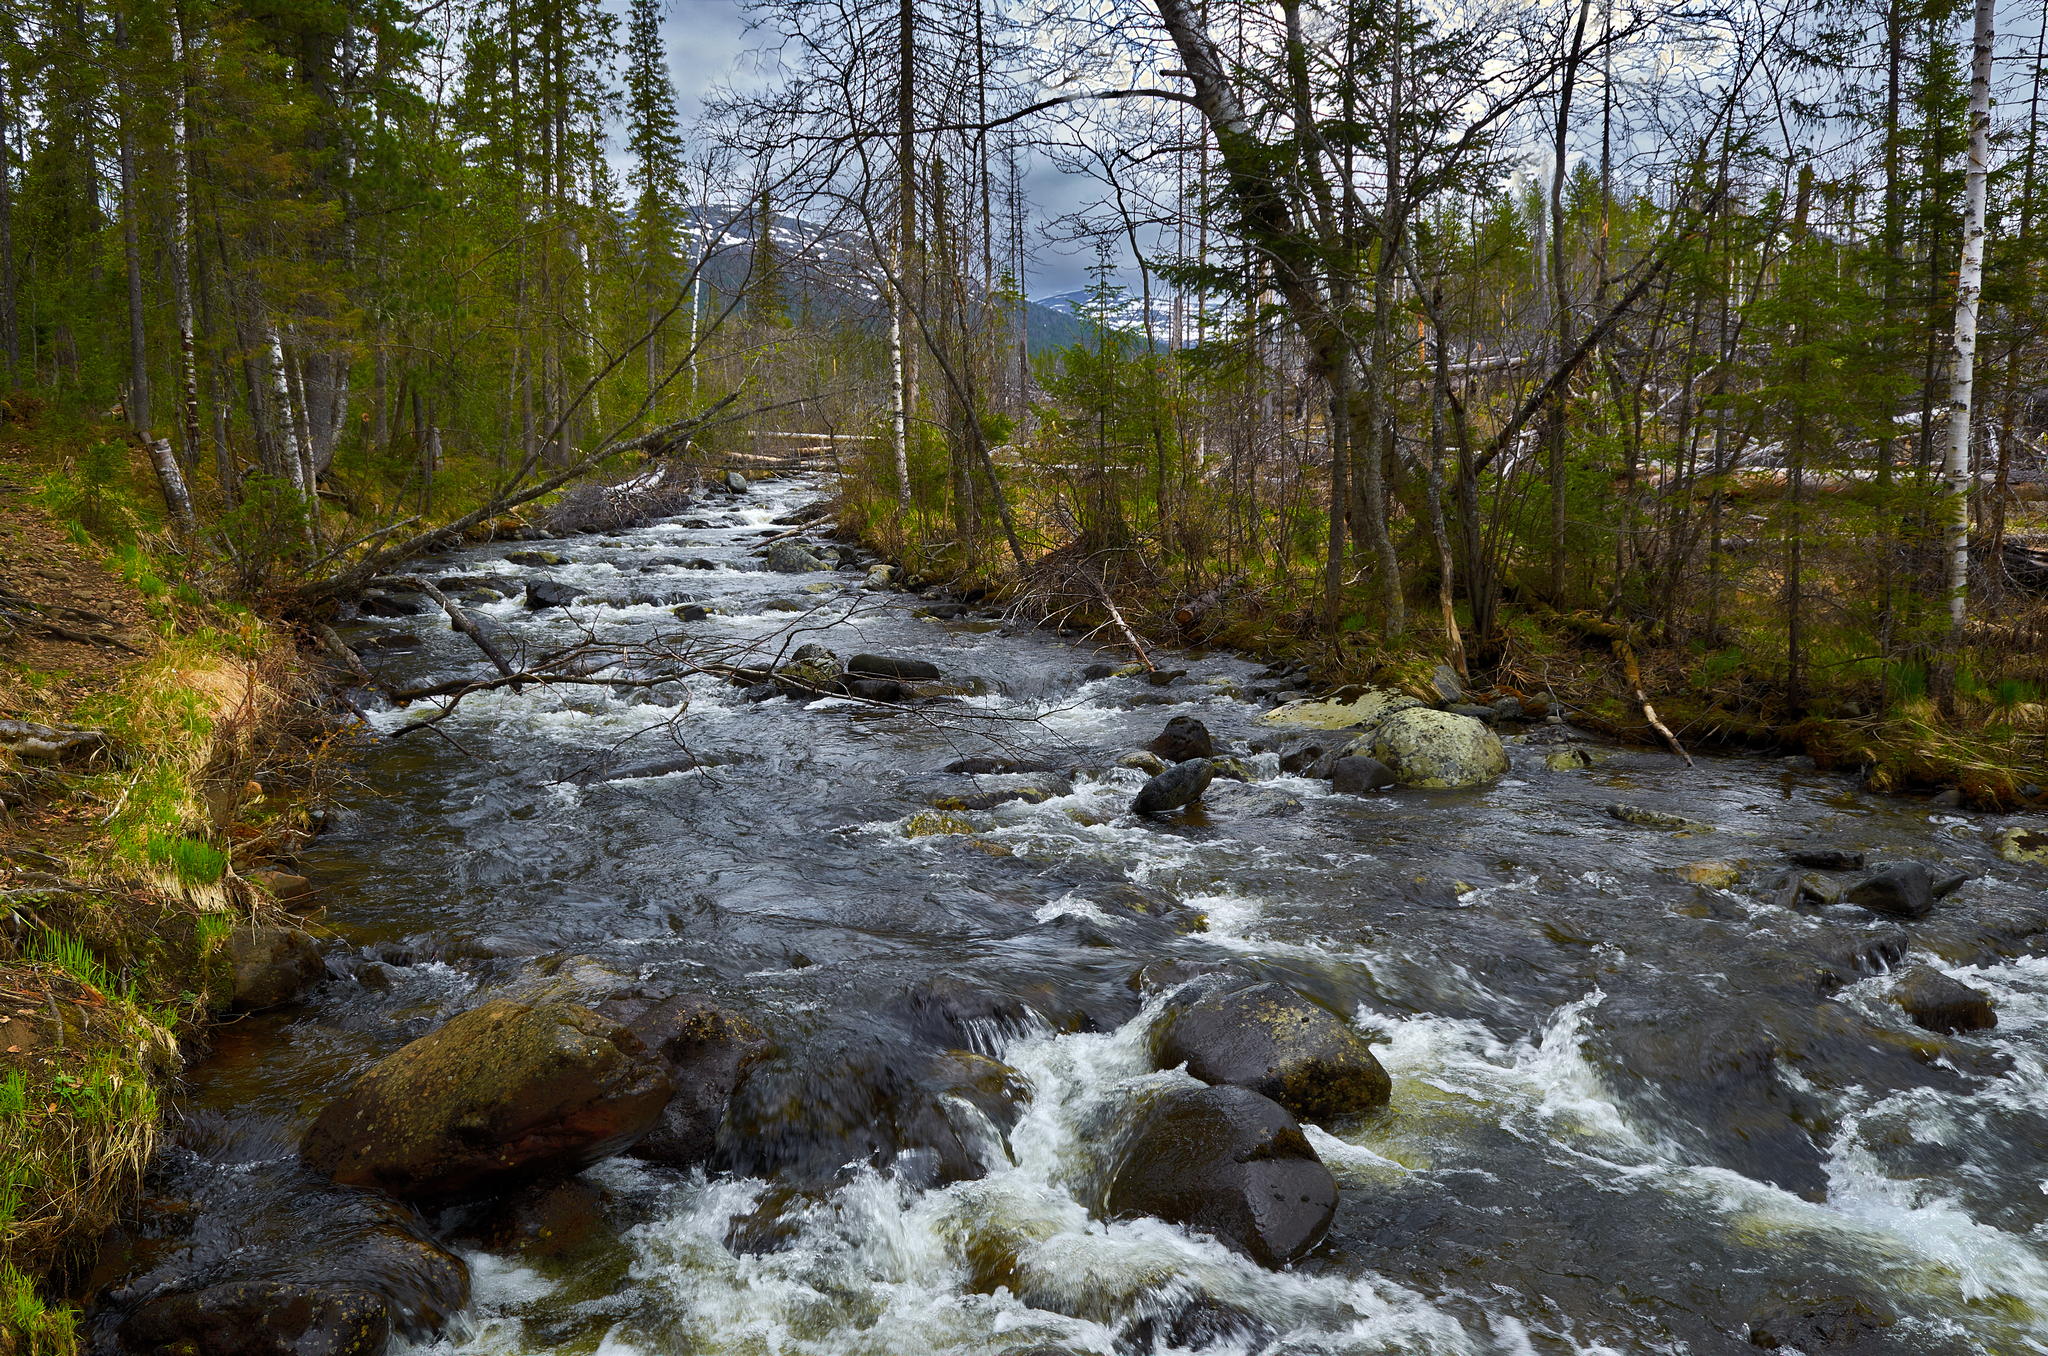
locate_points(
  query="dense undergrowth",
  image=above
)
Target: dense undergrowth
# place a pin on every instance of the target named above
(1967, 712)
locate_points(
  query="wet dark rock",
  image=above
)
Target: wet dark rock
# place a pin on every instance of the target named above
(759, 692)
(1196, 1325)
(545, 1219)
(271, 965)
(931, 1117)
(984, 766)
(889, 666)
(1946, 800)
(546, 593)
(875, 689)
(505, 1092)
(379, 603)
(263, 1318)
(376, 976)
(533, 559)
(1165, 677)
(1905, 890)
(706, 1048)
(1939, 1003)
(1251, 802)
(1183, 739)
(1097, 672)
(1645, 818)
(985, 793)
(1699, 1062)
(1792, 889)
(1828, 859)
(1814, 1326)
(1228, 1162)
(1480, 713)
(700, 563)
(1146, 901)
(1508, 708)
(1173, 788)
(948, 1012)
(1848, 960)
(1275, 1042)
(264, 1259)
(1355, 776)
(691, 612)
(1943, 881)
(1162, 976)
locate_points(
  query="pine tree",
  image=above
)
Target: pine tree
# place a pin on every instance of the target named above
(657, 149)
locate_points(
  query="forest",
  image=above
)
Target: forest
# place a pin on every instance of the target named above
(1686, 352)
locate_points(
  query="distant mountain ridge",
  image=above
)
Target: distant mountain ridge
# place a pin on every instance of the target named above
(827, 275)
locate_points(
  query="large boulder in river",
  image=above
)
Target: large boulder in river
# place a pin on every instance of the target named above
(788, 557)
(271, 965)
(801, 1116)
(1275, 1042)
(1436, 748)
(1228, 1162)
(504, 1093)
(1184, 738)
(705, 1048)
(546, 593)
(1905, 890)
(1173, 788)
(890, 666)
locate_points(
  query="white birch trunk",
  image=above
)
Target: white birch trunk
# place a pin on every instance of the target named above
(181, 263)
(1969, 286)
(281, 415)
(898, 428)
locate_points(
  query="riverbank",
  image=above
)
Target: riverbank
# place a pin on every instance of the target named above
(1979, 741)
(154, 754)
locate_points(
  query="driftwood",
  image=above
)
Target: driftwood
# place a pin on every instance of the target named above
(26, 739)
(461, 621)
(1618, 637)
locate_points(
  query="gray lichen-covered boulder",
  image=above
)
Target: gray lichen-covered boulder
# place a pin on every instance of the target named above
(2024, 845)
(1228, 1162)
(788, 557)
(505, 1092)
(1275, 1042)
(270, 966)
(1438, 749)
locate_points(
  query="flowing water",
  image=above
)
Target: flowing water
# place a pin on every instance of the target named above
(1629, 1113)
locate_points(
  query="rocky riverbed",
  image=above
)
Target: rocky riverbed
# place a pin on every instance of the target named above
(949, 986)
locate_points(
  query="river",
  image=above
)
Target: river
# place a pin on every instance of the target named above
(1629, 1114)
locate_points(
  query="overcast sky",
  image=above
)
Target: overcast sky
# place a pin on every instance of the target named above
(708, 43)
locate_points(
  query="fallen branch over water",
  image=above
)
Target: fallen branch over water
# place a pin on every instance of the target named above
(1618, 637)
